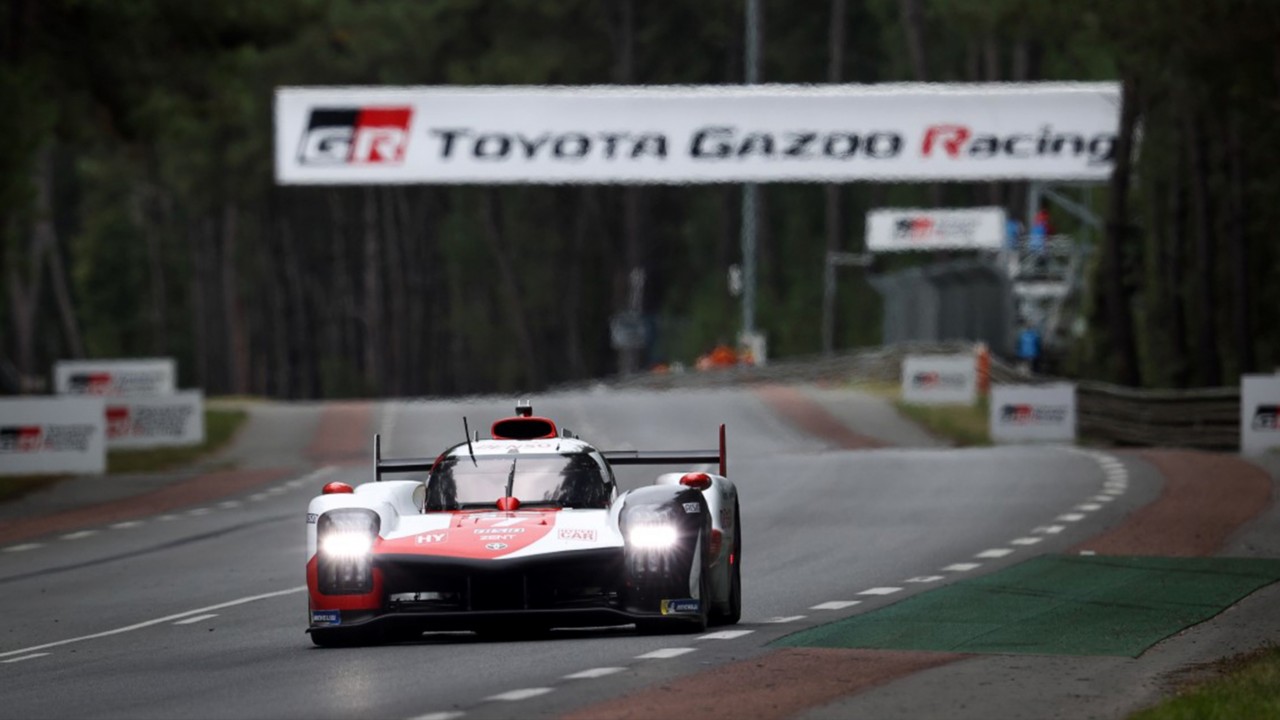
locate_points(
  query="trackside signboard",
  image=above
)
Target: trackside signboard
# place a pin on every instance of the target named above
(695, 134)
(898, 230)
(939, 379)
(156, 376)
(52, 435)
(1033, 413)
(1259, 414)
(155, 420)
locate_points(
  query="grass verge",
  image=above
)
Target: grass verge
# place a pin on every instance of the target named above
(1247, 686)
(220, 426)
(965, 425)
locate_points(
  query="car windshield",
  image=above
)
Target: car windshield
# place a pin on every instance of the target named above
(574, 480)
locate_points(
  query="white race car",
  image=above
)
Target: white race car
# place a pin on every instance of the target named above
(526, 530)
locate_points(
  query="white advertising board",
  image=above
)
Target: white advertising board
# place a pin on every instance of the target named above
(1259, 413)
(1033, 413)
(153, 376)
(52, 435)
(940, 379)
(695, 134)
(903, 229)
(155, 420)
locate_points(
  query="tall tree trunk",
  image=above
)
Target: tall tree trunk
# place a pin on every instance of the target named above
(1119, 318)
(237, 336)
(199, 237)
(1237, 220)
(509, 287)
(1208, 362)
(1174, 299)
(372, 307)
(48, 239)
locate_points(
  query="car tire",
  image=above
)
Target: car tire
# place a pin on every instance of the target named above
(734, 613)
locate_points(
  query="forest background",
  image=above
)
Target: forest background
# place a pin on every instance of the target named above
(139, 216)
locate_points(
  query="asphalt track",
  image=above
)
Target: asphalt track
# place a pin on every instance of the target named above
(199, 612)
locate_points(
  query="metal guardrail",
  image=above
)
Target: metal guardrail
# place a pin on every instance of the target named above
(1205, 418)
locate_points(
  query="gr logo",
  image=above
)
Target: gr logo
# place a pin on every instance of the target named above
(355, 136)
(1266, 417)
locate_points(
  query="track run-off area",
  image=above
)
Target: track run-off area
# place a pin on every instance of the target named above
(884, 576)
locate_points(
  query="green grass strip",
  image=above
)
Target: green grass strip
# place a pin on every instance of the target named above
(1246, 687)
(1056, 605)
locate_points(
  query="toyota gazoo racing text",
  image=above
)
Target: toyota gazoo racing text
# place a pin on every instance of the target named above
(526, 530)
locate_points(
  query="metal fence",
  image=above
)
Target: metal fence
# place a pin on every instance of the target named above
(1206, 418)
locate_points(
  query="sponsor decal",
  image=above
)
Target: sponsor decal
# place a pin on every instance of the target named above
(495, 546)
(45, 438)
(497, 530)
(429, 538)
(312, 517)
(90, 383)
(582, 534)
(326, 617)
(933, 379)
(355, 136)
(687, 606)
(1026, 414)
(956, 142)
(692, 508)
(118, 382)
(1265, 417)
(147, 421)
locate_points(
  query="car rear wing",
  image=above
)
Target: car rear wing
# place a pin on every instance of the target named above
(671, 457)
(396, 465)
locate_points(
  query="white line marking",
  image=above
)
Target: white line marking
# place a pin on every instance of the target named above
(1102, 498)
(32, 656)
(1088, 507)
(196, 619)
(726, 634)
(925, 578)
(836, 604)
(446, 715)
(522, 694)
(297, 483)
(664, 653)
(1049, 529)
(594, 673)
(229, 504)
(1114, 491)
(784, 619)
(258, 496)
(1025, 541)
(167, 518)
(158, 621)
(994, 553)
(881, 591)
(198, 511)
(78, 535)
(126, 525)
(23, 547)
(961, 567)
(1071, 517)
(1088, 552)
(276, 490)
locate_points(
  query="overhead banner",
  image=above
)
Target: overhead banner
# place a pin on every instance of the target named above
(940, 379)
(153, 376)
(52, 435)
(903, 229)
(1033, 413)
(695, 134)
(1259, 413)
(155, 420)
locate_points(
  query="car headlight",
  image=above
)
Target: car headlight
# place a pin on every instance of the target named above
(346, 545)
(653, 536)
